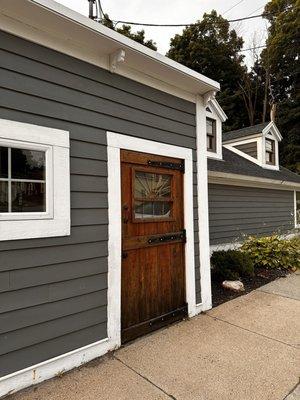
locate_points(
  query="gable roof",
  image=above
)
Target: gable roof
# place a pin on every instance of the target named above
(243, 132)
(235, 164)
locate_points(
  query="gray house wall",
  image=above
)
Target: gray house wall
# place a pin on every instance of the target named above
(53, 291)
(248, 148)
(235, 211)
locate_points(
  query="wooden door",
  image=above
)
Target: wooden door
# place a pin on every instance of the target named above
(153, 240)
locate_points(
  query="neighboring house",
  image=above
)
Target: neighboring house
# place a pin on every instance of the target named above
(249, 192)
(104, 228)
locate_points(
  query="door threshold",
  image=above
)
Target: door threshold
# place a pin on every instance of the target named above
(153, 324)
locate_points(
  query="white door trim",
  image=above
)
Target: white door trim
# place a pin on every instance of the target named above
(115, 143)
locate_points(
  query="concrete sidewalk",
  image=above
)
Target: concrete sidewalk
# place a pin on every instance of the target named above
(245, 349)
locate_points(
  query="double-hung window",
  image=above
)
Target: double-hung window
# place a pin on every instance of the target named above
(23, 181)
(211, 134)
(34, 181)
(270, 152)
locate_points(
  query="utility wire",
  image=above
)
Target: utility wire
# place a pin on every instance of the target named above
(253, 48)
(229, 9)
(192, 24)
(255, 10)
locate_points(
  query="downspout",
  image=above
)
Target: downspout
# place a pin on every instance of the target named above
(202, 191)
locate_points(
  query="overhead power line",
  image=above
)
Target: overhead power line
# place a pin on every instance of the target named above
(254, 48)
(231, 8)
(191, 24)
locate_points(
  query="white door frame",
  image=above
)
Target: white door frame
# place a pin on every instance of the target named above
(116, 142)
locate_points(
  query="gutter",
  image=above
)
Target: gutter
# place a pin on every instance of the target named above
(229, 178)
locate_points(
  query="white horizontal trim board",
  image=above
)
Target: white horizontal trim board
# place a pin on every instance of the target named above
(237, 245)
(224, 178)
(55, 366)
(115, 143)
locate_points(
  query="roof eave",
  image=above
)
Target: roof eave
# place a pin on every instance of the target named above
(80, 32)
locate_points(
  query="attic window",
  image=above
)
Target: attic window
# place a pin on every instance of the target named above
(208, 109)
(270, 152)
(211, 134)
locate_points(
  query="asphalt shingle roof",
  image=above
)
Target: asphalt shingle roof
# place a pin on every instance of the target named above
(235, 164)
(249, 130)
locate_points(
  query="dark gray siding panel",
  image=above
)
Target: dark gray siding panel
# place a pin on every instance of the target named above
(249, 148)
(235, 211)
(53, 291)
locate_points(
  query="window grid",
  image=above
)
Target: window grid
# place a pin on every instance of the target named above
(9, 180)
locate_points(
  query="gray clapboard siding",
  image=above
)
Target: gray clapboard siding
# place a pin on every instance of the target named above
(50, 282)
(248, 148)
(14, 300)
(235, 211)
(12, 321)
(69, 80)
(31, 335)
(31, 355)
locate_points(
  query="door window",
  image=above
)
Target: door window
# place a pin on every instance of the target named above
(152, 194)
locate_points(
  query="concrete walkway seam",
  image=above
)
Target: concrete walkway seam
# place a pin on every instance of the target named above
(145, 378)
(255, 333)
(277, 294)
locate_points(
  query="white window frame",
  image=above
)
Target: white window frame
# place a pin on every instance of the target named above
(48, 150)
(213, 115)
(55, 221)
(297, 225)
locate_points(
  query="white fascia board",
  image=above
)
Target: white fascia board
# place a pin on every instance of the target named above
(249, 137)
(241, 153)
(272, 127)
(226, 178)
(55, 26)
(218, 109)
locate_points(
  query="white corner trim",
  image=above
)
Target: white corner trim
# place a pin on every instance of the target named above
(297, 225)
(202, 184)
(115, 143)
(56, 221)
(38, 373)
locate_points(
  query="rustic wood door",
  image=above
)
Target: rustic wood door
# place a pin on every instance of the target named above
(153, 240)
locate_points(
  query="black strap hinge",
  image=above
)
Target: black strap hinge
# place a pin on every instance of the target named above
(167, 165)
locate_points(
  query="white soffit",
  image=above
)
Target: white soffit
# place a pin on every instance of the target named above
(55, 26)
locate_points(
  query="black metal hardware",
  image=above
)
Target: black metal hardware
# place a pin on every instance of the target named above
(168, 165)
(179, 312)
(169, 237)
(124, 255)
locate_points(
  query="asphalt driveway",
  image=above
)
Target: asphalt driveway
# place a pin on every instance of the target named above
(245, 349)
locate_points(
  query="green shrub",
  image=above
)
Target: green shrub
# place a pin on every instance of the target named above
(273, 252)
(231, 265)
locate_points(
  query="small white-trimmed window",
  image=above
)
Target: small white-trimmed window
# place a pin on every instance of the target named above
(270, 152)
(34, 181)
(297, 209)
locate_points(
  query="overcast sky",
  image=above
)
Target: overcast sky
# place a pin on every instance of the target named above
(182, 11)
